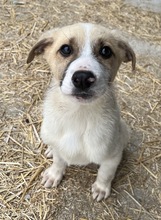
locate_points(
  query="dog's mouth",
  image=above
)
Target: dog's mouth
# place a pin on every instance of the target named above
(83, 96)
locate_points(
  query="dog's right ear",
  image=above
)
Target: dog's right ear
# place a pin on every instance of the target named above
(39, 48)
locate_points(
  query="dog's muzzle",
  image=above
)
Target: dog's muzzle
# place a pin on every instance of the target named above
(83, 81)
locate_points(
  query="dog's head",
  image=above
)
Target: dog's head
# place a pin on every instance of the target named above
(84, 58)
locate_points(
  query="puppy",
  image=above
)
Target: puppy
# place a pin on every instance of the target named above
(81, 119)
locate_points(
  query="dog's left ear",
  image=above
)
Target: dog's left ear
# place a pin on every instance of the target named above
(129, 54)
(39, 48)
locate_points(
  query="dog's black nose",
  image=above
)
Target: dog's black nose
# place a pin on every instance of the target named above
(83, 79)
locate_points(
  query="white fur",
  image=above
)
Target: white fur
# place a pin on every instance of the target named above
(80, 131)
(83, 132)
(86, 61)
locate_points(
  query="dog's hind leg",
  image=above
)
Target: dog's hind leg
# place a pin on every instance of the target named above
(49, 152)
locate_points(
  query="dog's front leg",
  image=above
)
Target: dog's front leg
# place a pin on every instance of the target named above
(102, 186)
(54, 174)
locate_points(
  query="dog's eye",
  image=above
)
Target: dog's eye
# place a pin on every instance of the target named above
(65, 50)
(106, 52)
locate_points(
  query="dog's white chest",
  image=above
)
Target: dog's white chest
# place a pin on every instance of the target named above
(79, 138)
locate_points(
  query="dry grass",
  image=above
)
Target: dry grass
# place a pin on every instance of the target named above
(136, 190)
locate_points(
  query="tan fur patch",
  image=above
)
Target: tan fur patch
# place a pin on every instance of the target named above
(73, 36)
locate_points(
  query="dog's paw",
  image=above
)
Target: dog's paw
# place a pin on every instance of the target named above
(49, 152)
(100, 191)
(52, 177)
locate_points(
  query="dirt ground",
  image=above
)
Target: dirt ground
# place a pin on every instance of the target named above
(136, 189)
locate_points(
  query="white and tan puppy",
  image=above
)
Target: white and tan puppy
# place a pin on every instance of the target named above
(81, 119)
